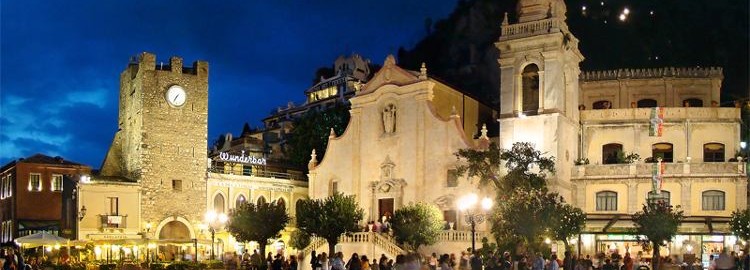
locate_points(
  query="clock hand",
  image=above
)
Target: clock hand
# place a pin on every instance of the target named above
(175, 98)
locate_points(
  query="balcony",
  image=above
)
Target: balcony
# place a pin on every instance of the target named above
(113, 221)
(643, 170)
(671, 114)
(267, 174)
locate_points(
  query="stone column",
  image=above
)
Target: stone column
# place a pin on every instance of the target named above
(632, 196)
(741, 187)
(517, 92)
(541, 92)
(685, 192)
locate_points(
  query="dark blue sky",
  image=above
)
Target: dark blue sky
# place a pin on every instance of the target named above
(60, 60)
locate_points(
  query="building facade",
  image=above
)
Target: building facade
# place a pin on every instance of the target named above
(399, 146)
(37, 194)
(593, 123)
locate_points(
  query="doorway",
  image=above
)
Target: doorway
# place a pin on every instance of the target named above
(385, 208)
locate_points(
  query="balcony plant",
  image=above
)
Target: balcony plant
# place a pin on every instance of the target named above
(581, 161)
(627, 158)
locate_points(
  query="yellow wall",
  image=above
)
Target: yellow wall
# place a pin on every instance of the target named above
(473, 113)
(696, 198)
(675, 193)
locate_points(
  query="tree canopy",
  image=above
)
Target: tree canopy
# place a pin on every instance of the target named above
(417, 224)
(740, 224)
(329, 217)
(311, 131)
(526, 210)
(257, 222)
(658, 222)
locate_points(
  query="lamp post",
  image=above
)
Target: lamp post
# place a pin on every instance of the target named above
(473, 213)
(215, 221)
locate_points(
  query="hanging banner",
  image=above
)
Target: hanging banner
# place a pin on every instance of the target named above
(656, 123)
(657, 171)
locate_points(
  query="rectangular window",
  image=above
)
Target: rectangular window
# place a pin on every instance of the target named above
(713, 200)
(606, 201)
(35, 182)
(3, 192)
(177, 185)
(114, 206)
(334, 187)
(9, 186)
(452, 178)
(57, 182)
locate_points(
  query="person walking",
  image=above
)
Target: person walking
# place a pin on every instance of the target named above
(433, 263)
(476, 261)
(354, 263)
(538, 262)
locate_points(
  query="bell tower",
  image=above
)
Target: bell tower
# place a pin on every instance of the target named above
(539, 67)
(161, 142)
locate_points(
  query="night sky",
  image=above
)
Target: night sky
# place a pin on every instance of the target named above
(61, 60)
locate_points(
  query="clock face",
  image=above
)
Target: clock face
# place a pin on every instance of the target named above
(176, 96)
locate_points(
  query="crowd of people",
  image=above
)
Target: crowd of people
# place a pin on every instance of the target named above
(476, 261)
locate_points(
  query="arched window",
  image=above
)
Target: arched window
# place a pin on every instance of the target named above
(713, 200)
(219, 203)
(240, 200)
(713, 152)
(602, 104)
(606, 201)
(663, 151)
(647, 103)
(610, 152)
(663, 196)
(530, 89)
(261, 200)
(280, 201)
(692, 102)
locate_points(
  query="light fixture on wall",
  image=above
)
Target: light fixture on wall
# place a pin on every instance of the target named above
(82, 213)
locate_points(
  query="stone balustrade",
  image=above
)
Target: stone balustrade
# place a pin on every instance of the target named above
(459, 236)
(671, 114)
(696, 169)
(644, 73)
(531, 28)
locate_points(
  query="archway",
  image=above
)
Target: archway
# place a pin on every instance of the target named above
(176, 234)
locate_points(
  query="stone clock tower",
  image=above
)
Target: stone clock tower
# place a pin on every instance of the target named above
(539, 67)
(161, 143)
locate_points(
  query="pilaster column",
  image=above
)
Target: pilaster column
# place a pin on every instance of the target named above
(741, 189)
(517, 99)
(541, 92)
(632, 196)
(685, 192)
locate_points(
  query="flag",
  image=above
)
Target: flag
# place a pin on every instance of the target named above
(656, 122)
(656, 177)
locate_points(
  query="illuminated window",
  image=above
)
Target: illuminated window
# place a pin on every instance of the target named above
(35, 182)
(57, 182)
(663, 151)
(647, 103)
(713, 152)
(240, 200)
(713, 200)
(219, 203)
(606, 201)
(663, 197)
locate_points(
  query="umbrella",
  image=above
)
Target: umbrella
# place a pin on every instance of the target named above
(41, 238)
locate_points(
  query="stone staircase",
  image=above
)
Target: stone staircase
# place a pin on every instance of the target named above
(373, 244)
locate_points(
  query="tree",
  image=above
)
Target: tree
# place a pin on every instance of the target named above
(526, 211)
(299, 239)
(257, 222)
(526, 167)
(311, 131)
(417, 224)
(740, 225)
(329, 218)
(658, 222)
(568, 221)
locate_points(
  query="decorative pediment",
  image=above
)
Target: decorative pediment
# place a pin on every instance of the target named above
(390, 73)
(390, 185)
(446, 201)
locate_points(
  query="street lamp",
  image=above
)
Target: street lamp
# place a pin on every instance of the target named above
(215, 221)
(473, 213)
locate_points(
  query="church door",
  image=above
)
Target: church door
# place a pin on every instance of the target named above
(385, 208)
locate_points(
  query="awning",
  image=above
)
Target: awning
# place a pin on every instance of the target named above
(623, 224)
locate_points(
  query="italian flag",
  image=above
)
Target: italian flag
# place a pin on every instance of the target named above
(656, 122)
(657, 171)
